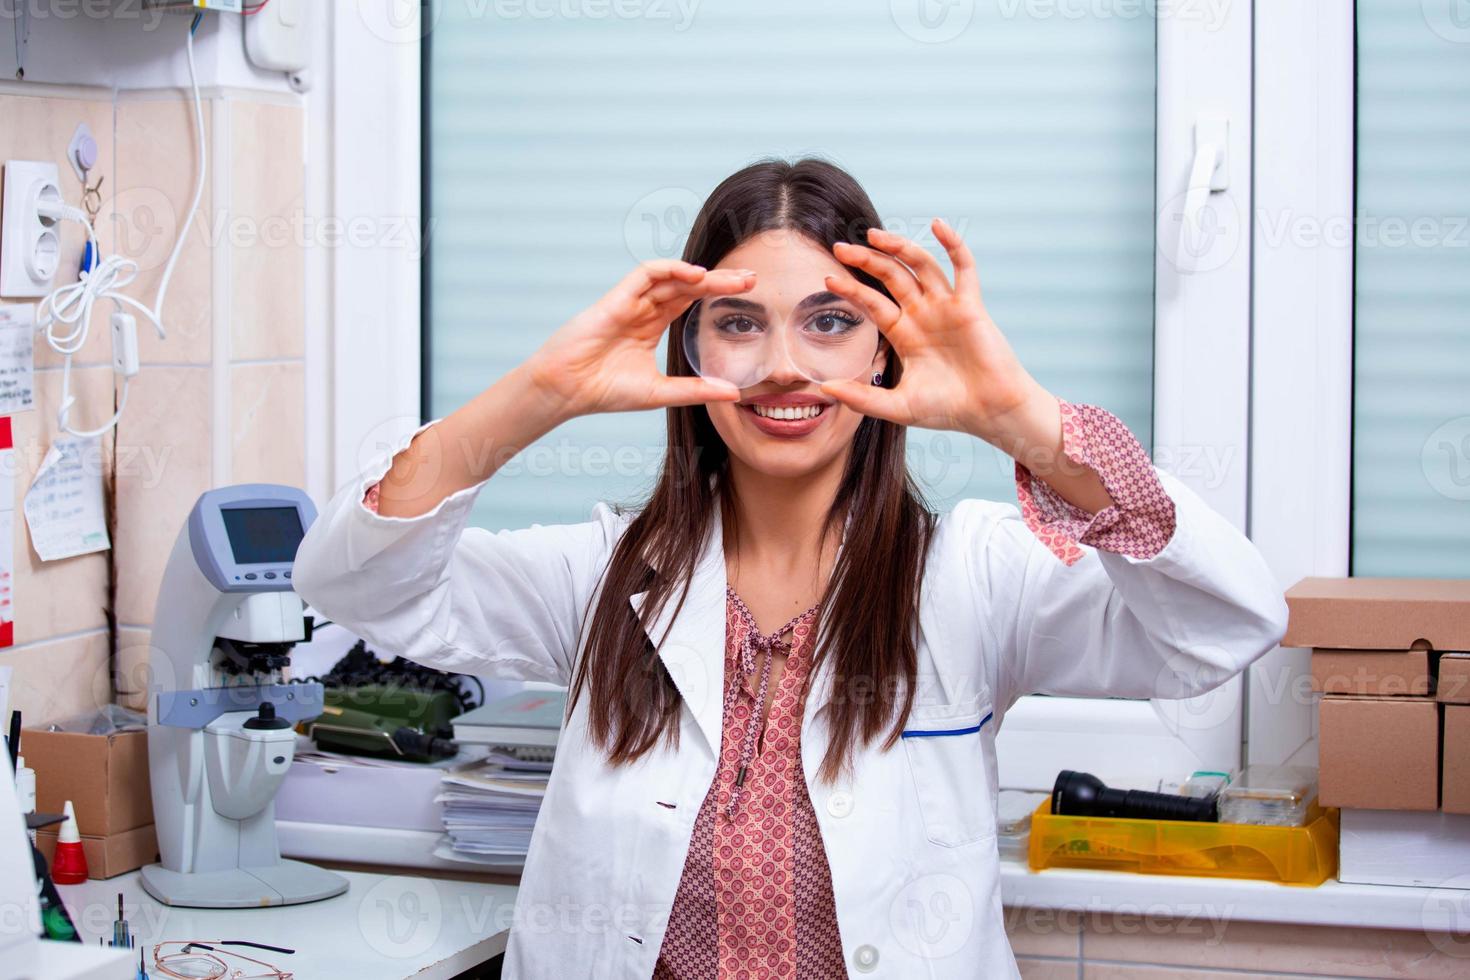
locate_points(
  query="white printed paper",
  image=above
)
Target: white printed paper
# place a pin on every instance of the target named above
(17, 358)
(64, 504)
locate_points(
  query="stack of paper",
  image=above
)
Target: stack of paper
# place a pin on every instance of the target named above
(490, 809)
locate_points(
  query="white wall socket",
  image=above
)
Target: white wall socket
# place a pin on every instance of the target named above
(30, 246)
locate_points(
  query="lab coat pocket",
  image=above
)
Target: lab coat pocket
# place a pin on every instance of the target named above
(946, 755)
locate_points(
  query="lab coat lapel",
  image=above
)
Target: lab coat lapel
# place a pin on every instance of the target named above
(693, 642)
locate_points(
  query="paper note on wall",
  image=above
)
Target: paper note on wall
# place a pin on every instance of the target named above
(64, 504)
(7, 534)
(17, 358)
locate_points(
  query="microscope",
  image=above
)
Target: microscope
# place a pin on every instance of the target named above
(221, 710)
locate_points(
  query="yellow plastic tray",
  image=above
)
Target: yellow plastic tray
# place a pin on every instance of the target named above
(1290, 855)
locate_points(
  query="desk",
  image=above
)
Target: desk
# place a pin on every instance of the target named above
(385, 927)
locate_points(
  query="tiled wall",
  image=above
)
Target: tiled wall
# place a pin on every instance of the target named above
(1052, 945)
(220, 400)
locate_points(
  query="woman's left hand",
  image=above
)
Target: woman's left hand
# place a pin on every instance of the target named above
(959, 372)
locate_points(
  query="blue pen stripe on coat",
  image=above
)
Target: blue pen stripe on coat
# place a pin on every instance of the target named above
(931, 733)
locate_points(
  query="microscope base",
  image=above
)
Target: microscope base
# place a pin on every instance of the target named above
(286, 883)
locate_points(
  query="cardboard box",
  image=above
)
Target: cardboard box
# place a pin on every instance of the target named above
(1383, 672)
(1454, 678)
(1378, 613)
(105, 777)
(1401, 847)
(1378, 753)
(109, 856)
(1454, 796)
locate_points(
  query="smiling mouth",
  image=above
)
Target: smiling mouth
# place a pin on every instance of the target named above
(788, 413)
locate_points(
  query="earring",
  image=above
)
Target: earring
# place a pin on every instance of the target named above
(877, 378)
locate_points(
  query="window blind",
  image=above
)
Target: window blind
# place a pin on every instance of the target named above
(1411, 358)
(565, 146)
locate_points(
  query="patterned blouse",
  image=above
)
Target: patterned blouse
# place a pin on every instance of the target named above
(755, 899)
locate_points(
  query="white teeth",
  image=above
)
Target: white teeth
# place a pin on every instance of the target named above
(789, 413)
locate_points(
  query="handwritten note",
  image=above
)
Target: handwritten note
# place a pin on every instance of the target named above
(17, 358)
(64, 504)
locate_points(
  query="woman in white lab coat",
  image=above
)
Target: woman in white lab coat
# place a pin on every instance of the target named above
(787, 675)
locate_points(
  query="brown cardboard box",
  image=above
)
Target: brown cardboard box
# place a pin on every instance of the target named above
(1455, 782)
(110, 856)
(1454, 678)
(1378, 613)
(1384, 672)
(105, 777)
(1378, 753)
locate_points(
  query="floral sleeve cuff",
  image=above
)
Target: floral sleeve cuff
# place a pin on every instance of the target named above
(1141, 520)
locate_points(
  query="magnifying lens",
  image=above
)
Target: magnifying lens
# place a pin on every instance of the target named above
(739, 340)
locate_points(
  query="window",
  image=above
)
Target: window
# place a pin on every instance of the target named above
(1411, 363)
(1058, 138)
(1032, 134)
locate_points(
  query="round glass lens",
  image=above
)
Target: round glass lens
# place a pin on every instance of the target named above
(731, 338)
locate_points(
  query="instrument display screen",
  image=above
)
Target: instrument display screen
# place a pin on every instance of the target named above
(263, 535)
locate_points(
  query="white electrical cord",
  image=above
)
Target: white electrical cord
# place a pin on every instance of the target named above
(70, 306)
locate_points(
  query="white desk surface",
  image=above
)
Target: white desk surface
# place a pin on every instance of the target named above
(385, 927)
(74, 961)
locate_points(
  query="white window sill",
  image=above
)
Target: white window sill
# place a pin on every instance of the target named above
(1331, 903)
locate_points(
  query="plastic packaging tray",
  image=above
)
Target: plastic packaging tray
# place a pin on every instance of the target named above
(1291, 855)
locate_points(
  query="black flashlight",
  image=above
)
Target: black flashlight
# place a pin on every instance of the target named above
(1081, 794)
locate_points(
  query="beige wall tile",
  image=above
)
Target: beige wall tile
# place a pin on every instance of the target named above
(1267, 947)
(68, 595)
(58, 679)
(1044, 932)
(268, 416)
(1033, 969)
(131, 673)
(164, 464)
(40, 129)
(268, 198)
(157, 166)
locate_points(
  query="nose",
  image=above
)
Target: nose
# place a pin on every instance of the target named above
(784, 370)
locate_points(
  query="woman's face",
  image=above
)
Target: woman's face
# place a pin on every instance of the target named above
(790, 295)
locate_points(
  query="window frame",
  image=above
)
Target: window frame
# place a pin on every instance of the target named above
(1303, 361)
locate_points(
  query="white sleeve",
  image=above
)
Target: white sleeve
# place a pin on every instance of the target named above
(1172, 626)
(461, 599)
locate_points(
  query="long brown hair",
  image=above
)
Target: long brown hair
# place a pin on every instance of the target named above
(869, 610)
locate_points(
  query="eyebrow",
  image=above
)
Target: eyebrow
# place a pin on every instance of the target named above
(750, 306)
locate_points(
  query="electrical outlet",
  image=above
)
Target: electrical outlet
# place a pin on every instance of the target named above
(30, 245)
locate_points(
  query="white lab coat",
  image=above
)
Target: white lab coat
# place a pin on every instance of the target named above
(910, 836)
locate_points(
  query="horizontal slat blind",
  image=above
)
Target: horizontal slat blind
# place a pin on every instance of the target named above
(564, 149)
(1411, 359)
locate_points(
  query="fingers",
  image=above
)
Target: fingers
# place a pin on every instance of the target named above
(884, 311)
(966, 279)
(715, 282)
(925, 267)
(885, 268)
(638, 282)
(867, 399)
(674, 392)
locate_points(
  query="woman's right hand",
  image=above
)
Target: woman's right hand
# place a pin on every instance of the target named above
(604, 359)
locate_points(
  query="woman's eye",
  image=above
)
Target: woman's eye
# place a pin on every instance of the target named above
(832, 322)
(738, 325)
